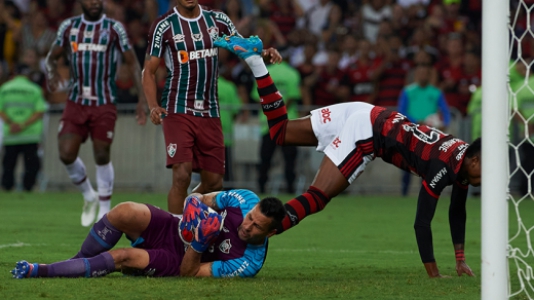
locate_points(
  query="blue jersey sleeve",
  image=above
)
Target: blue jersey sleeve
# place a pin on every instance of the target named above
(243, 199)
(246, 266)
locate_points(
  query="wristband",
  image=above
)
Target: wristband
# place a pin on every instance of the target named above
(459, 255)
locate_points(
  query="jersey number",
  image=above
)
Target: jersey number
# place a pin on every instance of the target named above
(429, 138)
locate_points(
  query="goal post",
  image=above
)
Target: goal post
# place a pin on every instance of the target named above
(495, 116)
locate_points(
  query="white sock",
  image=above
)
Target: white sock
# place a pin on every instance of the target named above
(78, 176)
(105, 175)
(257, 66)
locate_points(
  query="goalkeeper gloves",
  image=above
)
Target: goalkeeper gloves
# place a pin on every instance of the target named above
(207, 232)
(194, 210)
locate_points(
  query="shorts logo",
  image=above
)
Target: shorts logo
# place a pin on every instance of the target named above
(60, 126)
(213, 32)
(225, 246)
(109, 135)
(325, 114)
(336, 142)
(171, 150)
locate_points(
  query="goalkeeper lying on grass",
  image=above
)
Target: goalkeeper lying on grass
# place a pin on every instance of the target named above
(221, 234)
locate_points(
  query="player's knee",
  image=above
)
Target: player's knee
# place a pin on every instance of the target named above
(181, 176)
(102, 157)
(66, 157)
(121, 213)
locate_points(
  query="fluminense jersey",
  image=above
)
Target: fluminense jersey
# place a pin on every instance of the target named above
(94, 49)
(191, 59)
(230, 255)
(425, 151)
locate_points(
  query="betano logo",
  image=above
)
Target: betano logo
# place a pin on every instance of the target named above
(88, 47)
(184, 56)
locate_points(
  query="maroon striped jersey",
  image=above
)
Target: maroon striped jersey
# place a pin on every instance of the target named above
(435, 156)
(191, 59)
(94, 50)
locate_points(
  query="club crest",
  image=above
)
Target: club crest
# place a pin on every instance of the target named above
(197, 37)
(213, 32)
(171, 150)
(225, 246)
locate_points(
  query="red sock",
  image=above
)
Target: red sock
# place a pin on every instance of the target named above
(273, 107)
(314, 200)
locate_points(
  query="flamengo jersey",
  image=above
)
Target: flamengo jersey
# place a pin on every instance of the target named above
(94, 51)
(190, 58)
(425, 151)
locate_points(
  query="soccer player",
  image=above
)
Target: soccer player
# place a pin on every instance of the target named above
(231, 242)
(93, 43)
(353, 134)
(183, 37)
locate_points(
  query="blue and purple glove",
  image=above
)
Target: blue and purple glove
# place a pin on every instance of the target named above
(207, 232)
(194, 211)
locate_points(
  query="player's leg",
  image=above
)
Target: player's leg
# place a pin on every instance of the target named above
(9, 163)
(280, 129)
(105, 175)
(345, 159)
(72, 133)
(102, 128)
(129, 218)
(32, 165)
(208, 155)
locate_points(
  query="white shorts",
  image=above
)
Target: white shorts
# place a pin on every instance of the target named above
(345, 134)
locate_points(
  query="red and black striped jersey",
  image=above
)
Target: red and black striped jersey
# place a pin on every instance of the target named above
(94, 50)
(191, 59)
(435, 156)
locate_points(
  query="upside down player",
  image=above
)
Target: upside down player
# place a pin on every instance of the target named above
(353, 134)
(230, 243)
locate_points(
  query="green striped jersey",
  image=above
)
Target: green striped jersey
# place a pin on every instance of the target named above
(186, 45)
(94, 49)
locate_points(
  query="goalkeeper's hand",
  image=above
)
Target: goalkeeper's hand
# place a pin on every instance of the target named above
(206, 232)
(194, 210)
(463, 268)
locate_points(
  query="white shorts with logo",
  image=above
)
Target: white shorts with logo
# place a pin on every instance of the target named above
(345, 134)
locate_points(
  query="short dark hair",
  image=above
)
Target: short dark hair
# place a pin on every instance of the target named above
(474, 148)
(273, 208)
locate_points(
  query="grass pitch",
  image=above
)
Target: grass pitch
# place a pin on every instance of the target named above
(357, 248)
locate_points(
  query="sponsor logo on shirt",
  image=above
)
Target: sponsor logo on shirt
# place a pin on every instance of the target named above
(184, 56)
(336, 142)
(159, 33)
(74, 31)
(325, 115)
(438, 177)
(462, 149)
(445, 146)
(225, 246)
(88, 47)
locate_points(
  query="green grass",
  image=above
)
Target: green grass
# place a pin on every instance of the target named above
(358, 248)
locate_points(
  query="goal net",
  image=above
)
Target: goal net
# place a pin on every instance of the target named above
(521, 150)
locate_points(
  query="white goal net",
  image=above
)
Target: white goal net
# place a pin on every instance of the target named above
(521, 150)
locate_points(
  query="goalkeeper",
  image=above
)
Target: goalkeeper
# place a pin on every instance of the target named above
(353, 134)
(231, 242)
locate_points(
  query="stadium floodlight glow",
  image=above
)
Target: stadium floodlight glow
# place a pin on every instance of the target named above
(495, 114)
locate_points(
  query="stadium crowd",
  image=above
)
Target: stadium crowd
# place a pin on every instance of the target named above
(343, 50)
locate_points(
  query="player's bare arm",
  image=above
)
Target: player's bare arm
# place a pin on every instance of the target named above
(273, 54)
(135, 69)
(457, 220)
(150, 89)
(51, 67)
(192, 267)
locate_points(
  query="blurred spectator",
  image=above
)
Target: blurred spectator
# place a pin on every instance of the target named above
(37, 35)
(126, 91)
(422, 58)
(471, 77)
(9, 30)
(56, 12)
(420, 40)
(349, 51)
(450, 72)
(317, 16)
(454, 22)
(358, 75)
(324, 83)
(423, 103)
(399, 22)
(474, 111)
(235, 12)
(409, 3)
(282, 12)
(31, 60)
(287, 80)
(390, 75)
(374, 12)
(21, 108)
(137, 33)
(334, 29)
